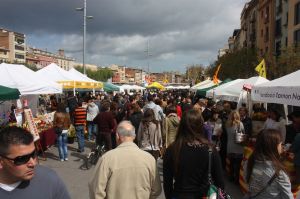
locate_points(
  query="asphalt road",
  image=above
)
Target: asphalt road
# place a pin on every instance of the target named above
(76, 176)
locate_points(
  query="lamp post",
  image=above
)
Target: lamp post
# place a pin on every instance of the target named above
(84, 32)
(148, 54)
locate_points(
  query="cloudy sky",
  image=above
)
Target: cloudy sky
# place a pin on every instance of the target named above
(180, 32)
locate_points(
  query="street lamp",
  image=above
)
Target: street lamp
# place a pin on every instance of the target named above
(148, 54)
(84, 32)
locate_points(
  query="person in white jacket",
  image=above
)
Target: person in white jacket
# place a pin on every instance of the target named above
(275, 121)
(92, 112)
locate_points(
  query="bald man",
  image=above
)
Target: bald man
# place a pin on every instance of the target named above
(125, 172)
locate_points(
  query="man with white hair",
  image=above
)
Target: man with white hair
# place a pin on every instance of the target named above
(125, 172)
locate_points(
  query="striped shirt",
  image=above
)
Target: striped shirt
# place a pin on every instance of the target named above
(80, 116)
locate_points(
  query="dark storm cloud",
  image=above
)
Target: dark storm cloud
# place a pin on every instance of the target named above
(121, 28)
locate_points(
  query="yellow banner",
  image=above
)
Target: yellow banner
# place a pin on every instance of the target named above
(261, 69)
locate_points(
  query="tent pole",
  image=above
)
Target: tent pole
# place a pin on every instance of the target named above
(74, 88)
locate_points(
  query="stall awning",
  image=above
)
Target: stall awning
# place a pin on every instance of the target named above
(7, 93)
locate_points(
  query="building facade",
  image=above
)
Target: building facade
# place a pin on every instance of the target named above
(12, 46)
(294, 22)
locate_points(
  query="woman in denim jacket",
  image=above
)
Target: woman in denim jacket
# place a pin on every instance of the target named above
(264, 164)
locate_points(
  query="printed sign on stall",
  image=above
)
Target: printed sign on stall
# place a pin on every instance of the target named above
(31, 124)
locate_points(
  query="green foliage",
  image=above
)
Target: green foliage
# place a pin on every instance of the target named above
(234, 65)
(195, 72)
(101, 74)
(287, 62)
(31, 66)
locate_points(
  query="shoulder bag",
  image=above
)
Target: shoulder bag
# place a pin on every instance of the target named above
(213, 191)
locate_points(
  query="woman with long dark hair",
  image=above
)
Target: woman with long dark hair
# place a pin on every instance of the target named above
(265, 173)
(149, 134)
(186, 161)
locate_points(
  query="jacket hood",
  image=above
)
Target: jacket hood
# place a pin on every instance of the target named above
(174, 120)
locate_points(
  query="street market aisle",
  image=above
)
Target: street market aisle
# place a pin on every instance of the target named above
(76, 177)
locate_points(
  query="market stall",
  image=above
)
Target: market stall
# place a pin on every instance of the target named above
(7, 93)
(109, 87)
(156, 85)
(234, 91)
(66, 79)
(203, 91)
(284, 90)
(212, 92)
(26, 81)
(78, 74)
(201, 84)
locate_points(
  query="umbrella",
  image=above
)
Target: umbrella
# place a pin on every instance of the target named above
(7, 93)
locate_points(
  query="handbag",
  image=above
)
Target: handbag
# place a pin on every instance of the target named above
(240, 136)
(213, 191)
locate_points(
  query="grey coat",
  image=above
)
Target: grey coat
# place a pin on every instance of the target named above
(262, 172)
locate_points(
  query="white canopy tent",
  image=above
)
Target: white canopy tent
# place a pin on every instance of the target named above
(177, 87)
(205, 84)
(284, 90)
(83, 77)
(128, 88)
(196, 87)
(234, 92)
(212, 93)
(26, 80)
(67, 79)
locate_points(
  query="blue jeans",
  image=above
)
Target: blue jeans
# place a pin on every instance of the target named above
(92, 130)
(80, 137)
(62, 146)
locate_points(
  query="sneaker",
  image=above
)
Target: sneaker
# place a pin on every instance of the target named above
(61, 160)
(66, 159)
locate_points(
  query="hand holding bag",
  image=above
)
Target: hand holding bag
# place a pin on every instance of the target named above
(240, 136)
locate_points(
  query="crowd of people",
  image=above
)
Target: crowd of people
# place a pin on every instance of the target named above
(178, 127)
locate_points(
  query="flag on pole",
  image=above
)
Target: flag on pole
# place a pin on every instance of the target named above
(261, 69)
(215, 77)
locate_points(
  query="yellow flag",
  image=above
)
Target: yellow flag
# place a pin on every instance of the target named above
(261, 69)
(215, 77)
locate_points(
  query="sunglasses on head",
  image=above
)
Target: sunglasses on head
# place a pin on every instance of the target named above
(19, 160)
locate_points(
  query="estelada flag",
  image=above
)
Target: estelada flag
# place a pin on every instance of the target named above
(261, 69)
(215, 77)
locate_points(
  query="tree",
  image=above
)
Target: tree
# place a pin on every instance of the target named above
(238, 64)
(195, 73)
(101, 74)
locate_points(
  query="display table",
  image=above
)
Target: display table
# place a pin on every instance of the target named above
(47, 138)
(287, 162)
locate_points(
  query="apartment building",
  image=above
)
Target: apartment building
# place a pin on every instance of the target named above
(294, 22)
(281, 25)
(119, 73)
(12, 46)
(249, 23)
(266, 27)
(42, 58)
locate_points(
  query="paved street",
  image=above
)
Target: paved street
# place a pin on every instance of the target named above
(76, 177)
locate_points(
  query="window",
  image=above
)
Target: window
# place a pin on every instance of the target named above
(297, 13)
(19, 56)
(267, 34)
(278, 48)
(278, 28)
(297, 36)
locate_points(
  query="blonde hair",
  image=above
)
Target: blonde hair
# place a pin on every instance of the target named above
(233, 119)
